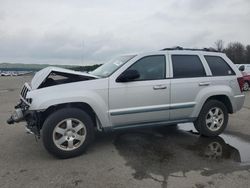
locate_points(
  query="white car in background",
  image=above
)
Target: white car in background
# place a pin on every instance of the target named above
(247, 68)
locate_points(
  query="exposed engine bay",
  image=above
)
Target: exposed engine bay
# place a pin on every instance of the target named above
(57, 78)
(51, 76)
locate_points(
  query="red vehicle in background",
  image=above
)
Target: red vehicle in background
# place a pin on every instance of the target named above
(246, 76)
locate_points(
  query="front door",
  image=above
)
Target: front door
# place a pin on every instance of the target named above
(145, 99)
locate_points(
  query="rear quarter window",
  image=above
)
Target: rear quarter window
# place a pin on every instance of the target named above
(219, 66)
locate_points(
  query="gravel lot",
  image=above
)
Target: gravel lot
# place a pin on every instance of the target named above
(166, 157)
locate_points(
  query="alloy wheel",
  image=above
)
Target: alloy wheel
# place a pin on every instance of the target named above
(69, 134)
(214, 119)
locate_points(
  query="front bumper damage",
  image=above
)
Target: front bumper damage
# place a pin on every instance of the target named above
(16, 116)
(23, 114)
(32, 119)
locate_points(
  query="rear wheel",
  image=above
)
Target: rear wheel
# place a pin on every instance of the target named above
(212, 119)
(246, 86)
(67, 132)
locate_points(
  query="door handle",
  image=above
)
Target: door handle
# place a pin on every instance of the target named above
(204, 83)
(157, 87)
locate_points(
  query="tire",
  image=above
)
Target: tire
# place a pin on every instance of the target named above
(246, 86)
(196, 126)
(213, 119)
(67, 132)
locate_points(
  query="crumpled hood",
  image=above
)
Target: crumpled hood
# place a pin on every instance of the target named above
(42, 74)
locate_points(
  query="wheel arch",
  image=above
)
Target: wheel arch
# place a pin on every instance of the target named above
(80, 105)
(224, 99)
(221, 93)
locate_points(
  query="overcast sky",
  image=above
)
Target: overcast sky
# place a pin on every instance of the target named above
(92, 31)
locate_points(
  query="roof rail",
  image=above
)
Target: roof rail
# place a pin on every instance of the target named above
(191, 49)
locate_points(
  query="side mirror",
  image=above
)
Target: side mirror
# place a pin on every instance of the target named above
(242, 68)
(128, 75)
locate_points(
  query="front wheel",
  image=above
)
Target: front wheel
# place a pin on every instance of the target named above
(67, 132)
(212, 119)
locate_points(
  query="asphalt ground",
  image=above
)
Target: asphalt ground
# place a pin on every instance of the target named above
(160, 157)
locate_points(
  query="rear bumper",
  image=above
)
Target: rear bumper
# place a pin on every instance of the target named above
(238, 102)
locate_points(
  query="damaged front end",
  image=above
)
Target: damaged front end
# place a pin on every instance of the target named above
(22, 113)
(47, 77)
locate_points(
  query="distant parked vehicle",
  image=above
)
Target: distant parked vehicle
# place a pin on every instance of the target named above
(246, 67)
(5, 74)
(164, 87)
(14, 74)
(246, 77)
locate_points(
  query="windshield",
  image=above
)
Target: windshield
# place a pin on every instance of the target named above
(110, 67)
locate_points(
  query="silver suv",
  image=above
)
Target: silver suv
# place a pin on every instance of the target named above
(165, 87)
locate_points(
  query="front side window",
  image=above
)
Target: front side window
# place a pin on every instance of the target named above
(150, 67)
(219, 66)
(110, 67)
(187, 66)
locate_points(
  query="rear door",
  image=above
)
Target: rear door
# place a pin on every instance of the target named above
(189, 77)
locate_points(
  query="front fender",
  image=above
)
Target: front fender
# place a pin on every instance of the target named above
(97, 99)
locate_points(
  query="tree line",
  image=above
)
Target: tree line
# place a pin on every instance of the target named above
(236, 51)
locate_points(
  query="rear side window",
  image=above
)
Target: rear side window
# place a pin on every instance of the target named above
(219, 66)
(187, 66)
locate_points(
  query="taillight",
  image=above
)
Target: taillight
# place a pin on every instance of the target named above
(241, 83)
